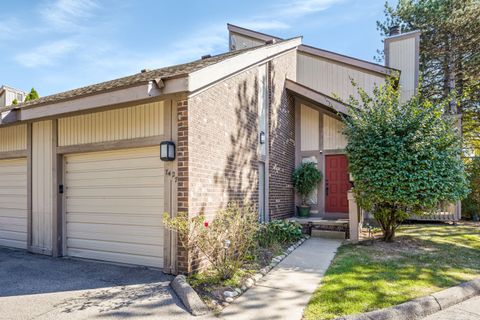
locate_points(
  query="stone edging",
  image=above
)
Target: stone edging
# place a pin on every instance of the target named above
(424, 306)
(195, 304)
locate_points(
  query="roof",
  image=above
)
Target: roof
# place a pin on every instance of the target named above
(316, 96)
(135, 79)
(367, 65)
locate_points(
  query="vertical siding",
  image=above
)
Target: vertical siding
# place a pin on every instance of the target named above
(332, 134)
(333, 78)
(310, 128)
(42, 185)
(140, 121)
(242, 42)
(402, 56)
(13, 138)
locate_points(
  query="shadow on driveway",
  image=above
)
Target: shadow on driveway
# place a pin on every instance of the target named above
(37, 286)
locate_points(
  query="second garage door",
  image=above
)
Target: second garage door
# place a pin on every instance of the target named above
(13, 203)
(114, 202)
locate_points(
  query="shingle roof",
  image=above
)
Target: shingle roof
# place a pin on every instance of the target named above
(136, 79)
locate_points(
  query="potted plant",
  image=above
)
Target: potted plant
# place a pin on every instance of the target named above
(305, 179)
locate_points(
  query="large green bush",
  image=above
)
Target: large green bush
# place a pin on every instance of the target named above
(404, 157)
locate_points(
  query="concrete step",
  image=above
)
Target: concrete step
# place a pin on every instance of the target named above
(329, 234)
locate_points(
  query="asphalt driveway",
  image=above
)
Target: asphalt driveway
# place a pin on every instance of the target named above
(41, 287)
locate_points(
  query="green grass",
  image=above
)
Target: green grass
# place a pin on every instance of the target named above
(422, 260)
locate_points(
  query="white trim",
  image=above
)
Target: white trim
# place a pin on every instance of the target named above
(213, 73)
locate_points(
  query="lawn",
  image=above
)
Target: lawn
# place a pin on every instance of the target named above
(423, 259)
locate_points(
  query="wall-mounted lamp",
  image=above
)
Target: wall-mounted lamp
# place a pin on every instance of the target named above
(167, 150)
(262, 137)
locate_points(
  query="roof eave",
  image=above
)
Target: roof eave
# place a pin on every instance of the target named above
(316, 97)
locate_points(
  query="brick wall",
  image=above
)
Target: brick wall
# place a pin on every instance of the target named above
(282, 137)
(183, 257)
(218, 147)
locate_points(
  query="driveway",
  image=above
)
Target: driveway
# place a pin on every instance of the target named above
(41, 287)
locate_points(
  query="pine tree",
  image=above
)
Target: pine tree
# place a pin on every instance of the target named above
(449, 54)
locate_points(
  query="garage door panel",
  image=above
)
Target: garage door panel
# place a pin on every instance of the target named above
(133, 181)
(114, 206)
(115, 192)
(117, 257)
(116, 219)
(132, 173)
(133, 238)
(13, 235)
(116, 247)
(13, 203)
(124, 164)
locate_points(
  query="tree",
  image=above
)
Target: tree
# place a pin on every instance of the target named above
(449, 54)
(32, 95)
(405, 159)
(15, 102)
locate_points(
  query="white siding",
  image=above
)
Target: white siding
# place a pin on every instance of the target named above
(140, 121)
(13, 138)
(333, 78)
(42, 188)
(333, 138)
(402, 56)
(239, 41)
(310, 128)
(13, 203)
(114, 206)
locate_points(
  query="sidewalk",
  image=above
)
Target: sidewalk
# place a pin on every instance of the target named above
(466, 310)
(285, 291)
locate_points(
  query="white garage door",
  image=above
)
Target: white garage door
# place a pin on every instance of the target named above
(114, 202)
(13, 203)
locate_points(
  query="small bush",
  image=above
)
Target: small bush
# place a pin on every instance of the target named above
(471, 205)
(237, 225)
(278, 232)
(305, 179)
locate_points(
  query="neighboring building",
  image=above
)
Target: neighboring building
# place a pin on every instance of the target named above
(81, 173)
(9, 94)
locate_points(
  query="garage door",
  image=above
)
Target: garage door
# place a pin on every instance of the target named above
(13, 203)
(114, 202)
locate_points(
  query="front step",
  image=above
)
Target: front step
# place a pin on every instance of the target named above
(329, 234)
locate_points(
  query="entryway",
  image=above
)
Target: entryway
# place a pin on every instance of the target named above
(337, 183)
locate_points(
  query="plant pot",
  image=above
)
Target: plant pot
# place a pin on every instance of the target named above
(303, 211)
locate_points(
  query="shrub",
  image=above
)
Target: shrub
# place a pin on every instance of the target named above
(305, 179)
(471, 205)
(404, 157)
(278, 232)
(236, 225)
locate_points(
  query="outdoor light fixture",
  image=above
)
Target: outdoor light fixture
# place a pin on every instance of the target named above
(167, 150)
(262, 137)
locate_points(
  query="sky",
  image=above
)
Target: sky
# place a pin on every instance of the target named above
(59, 45)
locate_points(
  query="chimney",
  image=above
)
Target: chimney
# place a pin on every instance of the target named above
(402, 52)
(394, 30)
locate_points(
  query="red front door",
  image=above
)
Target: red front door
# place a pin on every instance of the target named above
(336, 183)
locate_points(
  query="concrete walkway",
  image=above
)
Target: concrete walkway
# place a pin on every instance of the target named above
(466, 310)
(285, 291)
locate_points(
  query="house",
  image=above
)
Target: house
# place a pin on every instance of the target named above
(81, 173)
(9, 94)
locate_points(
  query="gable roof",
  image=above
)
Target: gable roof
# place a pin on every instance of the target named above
(189, 77)
(135, 79)
(363, 64)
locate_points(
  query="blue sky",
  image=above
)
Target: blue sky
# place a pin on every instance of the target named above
(64, 44)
